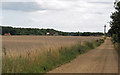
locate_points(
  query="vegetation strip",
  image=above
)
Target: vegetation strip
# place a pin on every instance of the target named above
(7, 31)
(114, 32)
(46, 61)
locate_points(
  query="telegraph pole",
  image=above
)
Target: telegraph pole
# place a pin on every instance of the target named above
(104, 29)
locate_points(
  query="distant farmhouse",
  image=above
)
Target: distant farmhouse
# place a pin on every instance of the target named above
(7, 34)
(52, 33)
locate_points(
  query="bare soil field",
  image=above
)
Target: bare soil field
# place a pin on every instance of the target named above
(25, 43)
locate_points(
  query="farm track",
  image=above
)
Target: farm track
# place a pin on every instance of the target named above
(103, 59)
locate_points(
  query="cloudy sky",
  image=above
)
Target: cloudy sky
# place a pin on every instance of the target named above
(63, 15)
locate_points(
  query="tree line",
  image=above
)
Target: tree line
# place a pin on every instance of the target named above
(36, 31)
(115, 24)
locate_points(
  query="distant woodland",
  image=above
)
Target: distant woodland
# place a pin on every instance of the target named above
(48, 32)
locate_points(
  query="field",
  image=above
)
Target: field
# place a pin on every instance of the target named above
(26, 43)
(31, 54)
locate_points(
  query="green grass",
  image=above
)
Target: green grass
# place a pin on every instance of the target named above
(117, 47)
(46, 61)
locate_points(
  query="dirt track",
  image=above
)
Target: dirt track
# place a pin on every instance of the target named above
(103, 59)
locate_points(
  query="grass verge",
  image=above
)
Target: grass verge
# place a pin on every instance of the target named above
(46, 61)
(117, 47)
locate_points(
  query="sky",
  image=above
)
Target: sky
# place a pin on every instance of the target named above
(63, 15)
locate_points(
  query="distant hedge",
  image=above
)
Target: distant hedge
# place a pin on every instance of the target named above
(36, 31)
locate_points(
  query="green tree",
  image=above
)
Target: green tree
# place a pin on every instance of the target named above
(115, 24)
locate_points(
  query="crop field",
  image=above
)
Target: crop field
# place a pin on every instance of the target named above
(39, 54)
(28, 43)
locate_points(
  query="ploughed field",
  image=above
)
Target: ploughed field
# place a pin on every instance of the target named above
(22, 44)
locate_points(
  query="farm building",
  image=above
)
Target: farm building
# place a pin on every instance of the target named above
(52, 33)
(7, 34)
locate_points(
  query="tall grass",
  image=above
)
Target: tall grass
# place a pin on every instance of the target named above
(117, 47)
(45, 61)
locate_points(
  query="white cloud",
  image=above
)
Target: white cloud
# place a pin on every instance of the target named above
(63, 4)
(16, 0)
(65, 15)
(53, 4)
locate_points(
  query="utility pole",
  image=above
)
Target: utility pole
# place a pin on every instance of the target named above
(105, 29)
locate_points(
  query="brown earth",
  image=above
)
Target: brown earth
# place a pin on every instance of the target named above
(103, 59)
